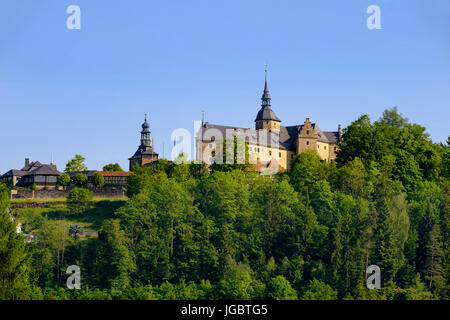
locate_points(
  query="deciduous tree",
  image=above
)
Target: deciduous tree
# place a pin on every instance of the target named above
(76, 164)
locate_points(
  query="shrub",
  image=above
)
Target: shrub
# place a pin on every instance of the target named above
(318, 290)
(63, 180)
(79, 200)
(97, 179)
(80, 179)
(279, 288)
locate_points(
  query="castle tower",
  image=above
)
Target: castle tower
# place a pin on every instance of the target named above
(266, 118)
(145, 154)
(145, 133)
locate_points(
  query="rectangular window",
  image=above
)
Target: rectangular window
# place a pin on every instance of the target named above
(307, 143)
(270, 153)
(324, 147)
(279, 154)
(51, 179)
(250, 149)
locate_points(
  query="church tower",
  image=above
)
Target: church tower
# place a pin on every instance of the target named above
(145, 133)
(145, 154)
(266, 118)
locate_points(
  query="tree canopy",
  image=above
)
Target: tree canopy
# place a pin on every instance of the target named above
(76, 164)
(112, 167)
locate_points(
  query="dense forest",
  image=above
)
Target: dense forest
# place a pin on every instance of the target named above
(226, 232)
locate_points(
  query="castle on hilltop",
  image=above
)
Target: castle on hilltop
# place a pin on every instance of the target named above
(269, 144)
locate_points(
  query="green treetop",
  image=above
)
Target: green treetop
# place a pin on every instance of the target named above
(76, 164)
(112, 167)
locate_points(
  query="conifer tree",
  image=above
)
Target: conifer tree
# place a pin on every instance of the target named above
(434, 254)
(14, 266)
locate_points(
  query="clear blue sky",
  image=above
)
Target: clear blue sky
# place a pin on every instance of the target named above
(86, 91)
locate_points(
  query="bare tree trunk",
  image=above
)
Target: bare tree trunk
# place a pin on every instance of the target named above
(367, 257)
(171, 236)
(431, 270)
(57, 260)
(41, 267)
(63, 247)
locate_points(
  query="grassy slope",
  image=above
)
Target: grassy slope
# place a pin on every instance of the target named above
(89, 220)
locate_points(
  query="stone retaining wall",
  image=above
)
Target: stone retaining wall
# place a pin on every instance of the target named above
(106, 192)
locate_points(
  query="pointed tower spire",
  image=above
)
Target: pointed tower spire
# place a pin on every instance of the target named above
(266, 95)
(266, 118)
(265, 70)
